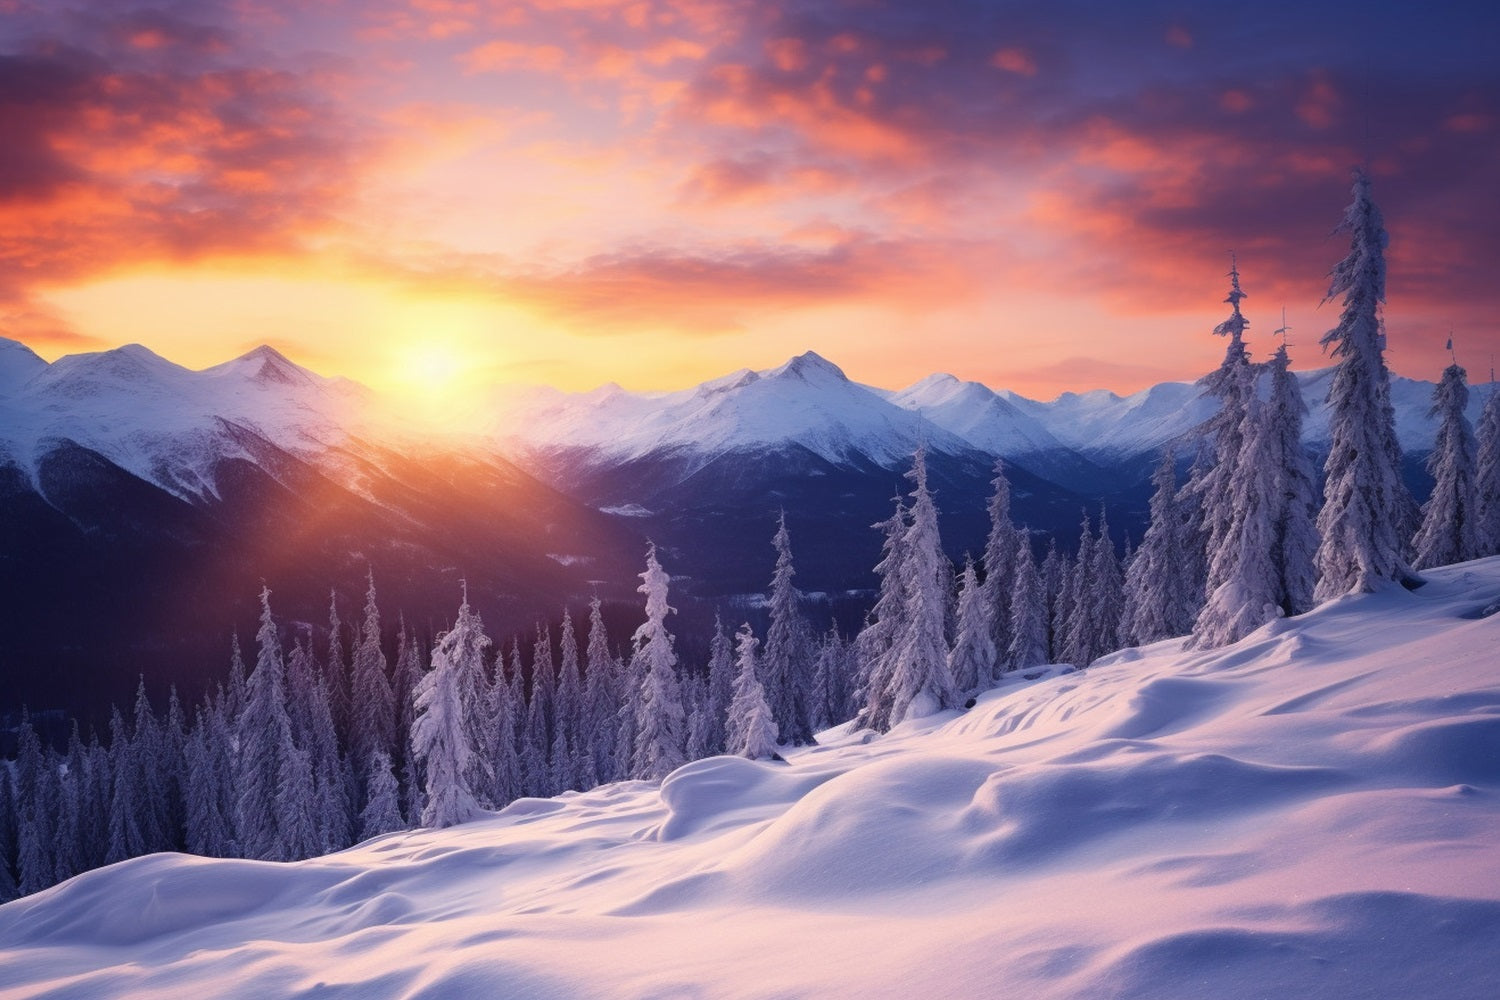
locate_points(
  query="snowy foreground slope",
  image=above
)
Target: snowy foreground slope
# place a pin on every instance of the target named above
(1314, 812)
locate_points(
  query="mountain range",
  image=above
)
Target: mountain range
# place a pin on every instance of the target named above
(142, 504)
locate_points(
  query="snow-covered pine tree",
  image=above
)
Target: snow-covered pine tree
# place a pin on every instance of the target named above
(535, 771)
(1296, 519)
(1106, 592)
(972, 659)
(787, 662)
(1231, 384)
(301, 677)
(999, 568)
(8, 890)
(570, 729)
(337, 674)
(372, 729)
(235, 694)
(695, 700)
(1078, 637)
(210, 827)
(918, 682)
(659, 717)
(333, 806)
(296, 803)
(1367, 512)
(1246, 594)
(1028, 610)
(875, 645)
(264, 733)
(752, 727)
(832, 679)
(35, 842)
(1450, 519)
(1159, 600)
(720, 684)
(508, 783)
(150, 774)
(1487, 474)
(408, 673)
(1054, 574)
(444, 738)
(72, 787)
(1195, 523)
(382, 813)
(603, 699)
(541, 711)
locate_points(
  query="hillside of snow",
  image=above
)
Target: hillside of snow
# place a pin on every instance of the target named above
(1312, 812)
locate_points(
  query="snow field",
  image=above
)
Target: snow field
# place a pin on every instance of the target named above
(1311, 812)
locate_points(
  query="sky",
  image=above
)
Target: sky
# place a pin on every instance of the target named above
(428, 195)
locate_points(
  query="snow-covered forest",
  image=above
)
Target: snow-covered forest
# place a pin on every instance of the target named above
(301, 751)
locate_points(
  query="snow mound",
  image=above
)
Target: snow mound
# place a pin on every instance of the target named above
(1310, 812)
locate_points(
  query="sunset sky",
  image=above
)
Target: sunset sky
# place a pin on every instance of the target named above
(1038, 195)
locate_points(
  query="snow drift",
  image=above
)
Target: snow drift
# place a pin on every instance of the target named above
(1310, 812)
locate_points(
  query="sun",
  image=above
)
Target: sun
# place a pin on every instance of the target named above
(438, 366)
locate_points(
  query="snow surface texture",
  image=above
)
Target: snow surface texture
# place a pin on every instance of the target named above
(1311, 812)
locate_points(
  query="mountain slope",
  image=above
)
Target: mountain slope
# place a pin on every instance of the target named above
(1307, 813)
(144, 505)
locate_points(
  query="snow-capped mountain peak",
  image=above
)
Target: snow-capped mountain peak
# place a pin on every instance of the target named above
(18, 365)
(266, 366)
(810, 367)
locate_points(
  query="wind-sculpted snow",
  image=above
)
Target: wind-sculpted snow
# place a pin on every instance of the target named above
(1309, 812)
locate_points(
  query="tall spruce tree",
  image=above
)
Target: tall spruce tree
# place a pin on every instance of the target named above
(876, 643)
(337, 675)
(721, 684)
(382, 811)
(372, 728)
(832, 679)
(296, 803)
(1450, 518)
(1106, 593)
(659, 716)
(1079, 632)
(1232, 385)
(403, 689)
(1028, 612)
(571, 766)
(1245, 594)
(507, 780)
(1487, 474)
(1367, 512)
(787, 662)
(1159, 599)
(999, 566)
(210, 824)
(445, 739)
(264, 735)
(8, 889)
(1296, 519)
(602, 675)
(917, 682)
(973, 657)
(1054, 574)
